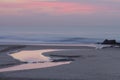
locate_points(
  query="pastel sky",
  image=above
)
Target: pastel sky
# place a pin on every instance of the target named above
(87, 18)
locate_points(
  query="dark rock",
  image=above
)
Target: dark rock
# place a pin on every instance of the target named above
(111, 42)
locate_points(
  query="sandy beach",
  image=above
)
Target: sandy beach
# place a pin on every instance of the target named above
(91, 64)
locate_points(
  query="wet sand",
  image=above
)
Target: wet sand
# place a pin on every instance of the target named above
(92, 64)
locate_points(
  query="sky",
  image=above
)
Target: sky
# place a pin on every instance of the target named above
(83, 18)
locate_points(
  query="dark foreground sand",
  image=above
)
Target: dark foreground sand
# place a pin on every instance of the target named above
(100, 64)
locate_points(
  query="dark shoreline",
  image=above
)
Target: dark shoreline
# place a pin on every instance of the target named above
(36, 79)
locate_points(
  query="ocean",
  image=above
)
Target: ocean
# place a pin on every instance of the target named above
(46, 38)
(38, 39)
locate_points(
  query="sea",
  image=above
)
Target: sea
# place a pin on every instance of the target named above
(7, 39)
(49, 39)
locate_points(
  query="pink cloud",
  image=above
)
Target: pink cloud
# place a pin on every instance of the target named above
(61, 7)
(45, 7)
(53, 7)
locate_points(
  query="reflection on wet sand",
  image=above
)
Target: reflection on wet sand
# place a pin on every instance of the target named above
(34, 60)
(33, 66)
(32, 56)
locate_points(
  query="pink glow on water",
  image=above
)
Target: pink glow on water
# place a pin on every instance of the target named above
(32, 56)
(33, 66)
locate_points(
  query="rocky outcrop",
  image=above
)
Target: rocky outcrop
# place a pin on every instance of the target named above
(110, 42)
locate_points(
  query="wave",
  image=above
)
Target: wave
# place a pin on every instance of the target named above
(80, 40)
(45, 39)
